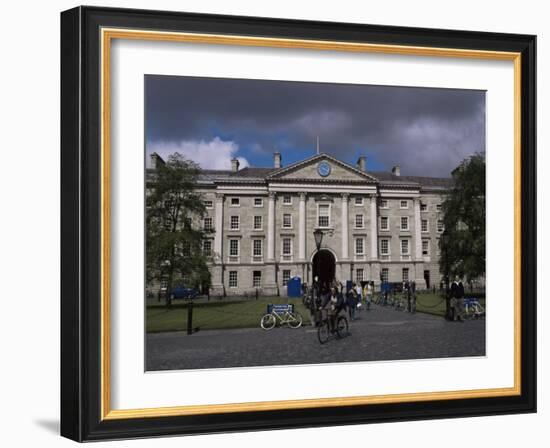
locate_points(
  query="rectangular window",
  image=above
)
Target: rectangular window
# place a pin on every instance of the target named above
(287, 199)
(405, 274)
(438, 207)
(384, 203)
(440, 226)
(403, 204)
(384, 275)
(208, 223)
(358, 276)
(258, 202)
(359, 246)
(286, 276)
(425, 247)
(234, 223)
(257, 222)
(384, 223)
(424, 225)
(404, 223)
(287, 220)
(208, 204)
(358, 201)
(404, 247)
(359, 221)
(233, 248)
(233, 283)
(257, 248)
(384, 247)
(257, 279)
(207, 248)
(235, 202)
(324, 215)
(423, 207)
(287, 246)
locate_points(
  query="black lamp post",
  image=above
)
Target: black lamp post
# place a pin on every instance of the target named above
(318, 235)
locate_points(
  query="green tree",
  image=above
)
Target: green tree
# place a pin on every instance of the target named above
(463, 242)
(174, 234)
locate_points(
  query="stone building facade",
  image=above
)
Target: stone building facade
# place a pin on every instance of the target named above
(376, 225)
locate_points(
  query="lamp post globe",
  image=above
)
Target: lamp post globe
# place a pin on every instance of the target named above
(318, 235)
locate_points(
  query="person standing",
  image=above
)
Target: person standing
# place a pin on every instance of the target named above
(359, 292)
(351, 302)
(457, 299)
(367, 294)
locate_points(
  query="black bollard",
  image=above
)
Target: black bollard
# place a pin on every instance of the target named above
(190, 318)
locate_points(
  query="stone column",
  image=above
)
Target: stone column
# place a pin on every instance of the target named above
(217, 268)
(271, 227)
(345, 227)
(373, 229)
(417, 231)
(302, 228)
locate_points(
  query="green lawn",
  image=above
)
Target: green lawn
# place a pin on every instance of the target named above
(435, 303)
(216, 314)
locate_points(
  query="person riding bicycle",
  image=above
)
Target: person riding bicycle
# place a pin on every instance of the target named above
(332, 304)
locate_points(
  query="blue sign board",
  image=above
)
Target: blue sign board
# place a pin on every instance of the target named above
(280, 308)
(294, 287)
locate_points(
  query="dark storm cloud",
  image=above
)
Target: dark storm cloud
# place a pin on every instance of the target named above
(426, 131)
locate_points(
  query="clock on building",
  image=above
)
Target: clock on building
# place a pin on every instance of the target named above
(323, 169)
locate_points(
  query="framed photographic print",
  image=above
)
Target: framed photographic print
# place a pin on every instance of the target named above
(277, 224)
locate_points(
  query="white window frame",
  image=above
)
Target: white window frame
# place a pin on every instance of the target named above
(406, 229)
(208, 219)
(427, 221)
(285, 196)
(261, 204)
(254, 254)
(438, 207)
(238, 247)
(254, 222)
(389, 246)
(401, 204)
(362, 226)
(283, 239)
(208, 204)
(238, 204)
(359, 201)
(408, 271)
(387, 227)
(286, 280)
(229, 282)
(204, 243)
(440, 229)
(408, 246)
(283, 223)
(362, 244)
(254, 277)
(357, 279)
(384, 204)
(231, 222)
(385, 274)
(425, 205)
(329, 215)
(427, 242)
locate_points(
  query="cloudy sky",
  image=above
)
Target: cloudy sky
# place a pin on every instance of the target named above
(425, 131)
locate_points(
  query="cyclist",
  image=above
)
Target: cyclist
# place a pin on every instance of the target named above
(332, 304)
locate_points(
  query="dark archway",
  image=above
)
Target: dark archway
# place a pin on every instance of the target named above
(324, 267)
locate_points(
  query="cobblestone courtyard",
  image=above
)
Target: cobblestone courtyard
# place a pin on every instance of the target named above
(376, 335)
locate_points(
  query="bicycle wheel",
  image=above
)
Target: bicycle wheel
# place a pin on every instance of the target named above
(268, 322)
(342, 327)
(295, 320)
(323, 332)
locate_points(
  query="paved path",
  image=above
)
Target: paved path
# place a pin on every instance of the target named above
(376, 335)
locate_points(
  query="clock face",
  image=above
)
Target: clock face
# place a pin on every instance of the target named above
(323, 169)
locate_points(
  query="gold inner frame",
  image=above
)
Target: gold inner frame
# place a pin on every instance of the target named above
(107, 35)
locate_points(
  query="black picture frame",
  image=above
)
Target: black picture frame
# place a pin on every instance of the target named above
(81, 224)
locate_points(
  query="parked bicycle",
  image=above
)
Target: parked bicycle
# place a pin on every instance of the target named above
(340, 330)
(282, 314)
(473, 309)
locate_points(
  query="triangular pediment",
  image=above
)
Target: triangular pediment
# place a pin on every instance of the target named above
(321, 167)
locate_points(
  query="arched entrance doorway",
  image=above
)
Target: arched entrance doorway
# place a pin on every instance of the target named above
(324, 267)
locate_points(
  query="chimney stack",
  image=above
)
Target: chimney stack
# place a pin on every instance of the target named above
(362, 163)
(156, 161)
(277, 160)
(235, 165)
(396, 170)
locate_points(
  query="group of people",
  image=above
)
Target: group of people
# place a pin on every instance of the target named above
(327, 301)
